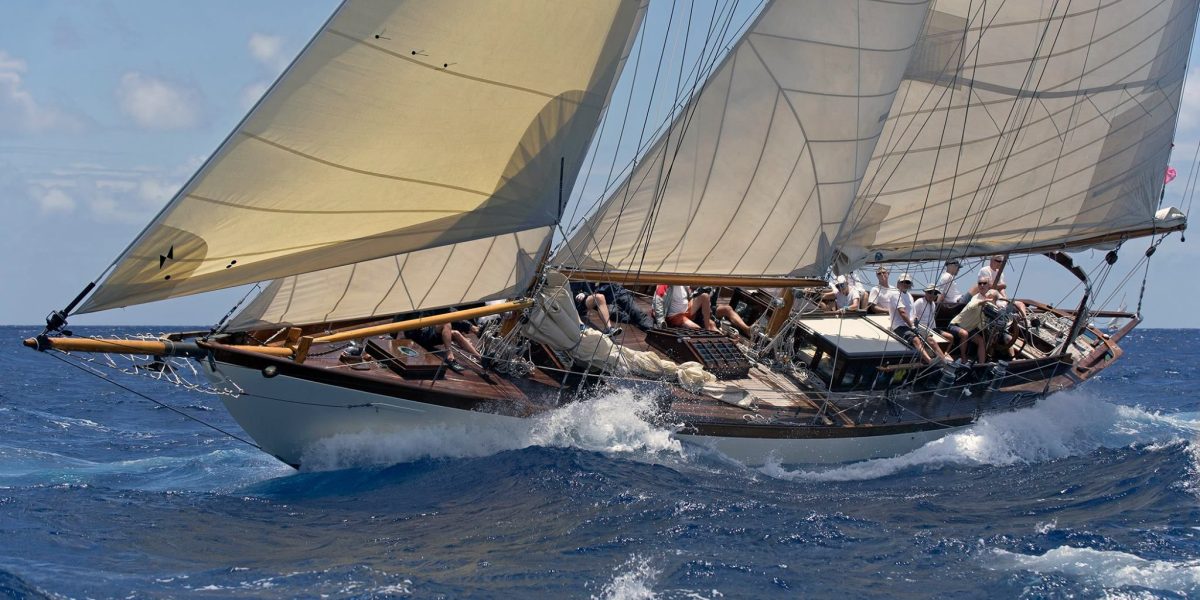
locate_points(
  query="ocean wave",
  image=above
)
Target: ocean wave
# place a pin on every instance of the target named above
(1068, 424)
(13, 586)
(65, 423)
(617, 423)
(1107, 568)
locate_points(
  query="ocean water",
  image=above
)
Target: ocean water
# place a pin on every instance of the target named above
(1092, 493)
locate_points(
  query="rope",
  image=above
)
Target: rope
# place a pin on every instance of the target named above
(159, 403)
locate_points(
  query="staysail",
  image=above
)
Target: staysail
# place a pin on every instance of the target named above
(1025, 125)
(756, 174)
(401, 127)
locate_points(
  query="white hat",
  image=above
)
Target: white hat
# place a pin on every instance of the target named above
(841, 279)
(904, 277)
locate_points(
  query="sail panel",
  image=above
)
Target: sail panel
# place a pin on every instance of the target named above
(402, 126)
(461, 273)
(1025, 125)
(756, 174)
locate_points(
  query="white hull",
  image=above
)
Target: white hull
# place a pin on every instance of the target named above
(287, 416)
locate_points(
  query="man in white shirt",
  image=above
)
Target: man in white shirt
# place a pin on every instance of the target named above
(883, 297)
(925, 317)
(903, 324)
(947, 285)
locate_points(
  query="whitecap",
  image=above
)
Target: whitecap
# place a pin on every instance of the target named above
(633, 580)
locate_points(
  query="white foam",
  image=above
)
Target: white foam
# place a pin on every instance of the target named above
(615, 423)
(1068, 424)
(633, 581)
(1109, 569)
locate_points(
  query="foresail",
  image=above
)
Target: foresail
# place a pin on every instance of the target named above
(402, 126)
(1025, 125)
(485, 269)
(756, 174)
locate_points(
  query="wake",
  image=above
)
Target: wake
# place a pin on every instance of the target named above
(1072, 423)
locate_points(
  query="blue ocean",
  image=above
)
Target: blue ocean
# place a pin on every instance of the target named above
(103, 494)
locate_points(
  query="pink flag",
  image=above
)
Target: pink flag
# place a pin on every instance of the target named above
(1170, 175)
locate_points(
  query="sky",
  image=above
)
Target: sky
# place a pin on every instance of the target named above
(107, 107)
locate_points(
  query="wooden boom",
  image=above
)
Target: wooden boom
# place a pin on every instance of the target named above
(458, 315)
(298, 352)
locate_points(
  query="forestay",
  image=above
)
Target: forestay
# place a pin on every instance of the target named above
(1023, 125)
(756, 174)
(401, 127)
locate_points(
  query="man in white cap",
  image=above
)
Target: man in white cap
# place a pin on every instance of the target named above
(925, 317)
(842, 298)
(904, 325)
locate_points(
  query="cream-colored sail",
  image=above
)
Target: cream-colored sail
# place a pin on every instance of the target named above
(402, 126)
(1022, 125)
(485, 269)
(756, 175)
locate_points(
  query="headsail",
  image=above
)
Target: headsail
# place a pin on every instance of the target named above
(757, 173)
(401, 127)
(1024, 125)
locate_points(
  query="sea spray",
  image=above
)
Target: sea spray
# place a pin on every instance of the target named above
(633, 580)
(620, 422)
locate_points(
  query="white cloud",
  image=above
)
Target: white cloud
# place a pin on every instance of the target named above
(156, 192)
(252, 92)
(54, 201)
(20, 111)
(155, 103)
(109, 195)
(268, 50)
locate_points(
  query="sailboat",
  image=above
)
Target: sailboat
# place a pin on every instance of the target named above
(386, 175)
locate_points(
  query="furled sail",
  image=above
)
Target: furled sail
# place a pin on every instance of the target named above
(403, 126)
(756, 174)
(1025, 125)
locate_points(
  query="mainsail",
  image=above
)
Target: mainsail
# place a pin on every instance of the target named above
(401, 127)
(1026, 126)
(756, 174)
(838, 134)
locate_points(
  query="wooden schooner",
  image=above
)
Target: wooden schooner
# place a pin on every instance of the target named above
(384, 176)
